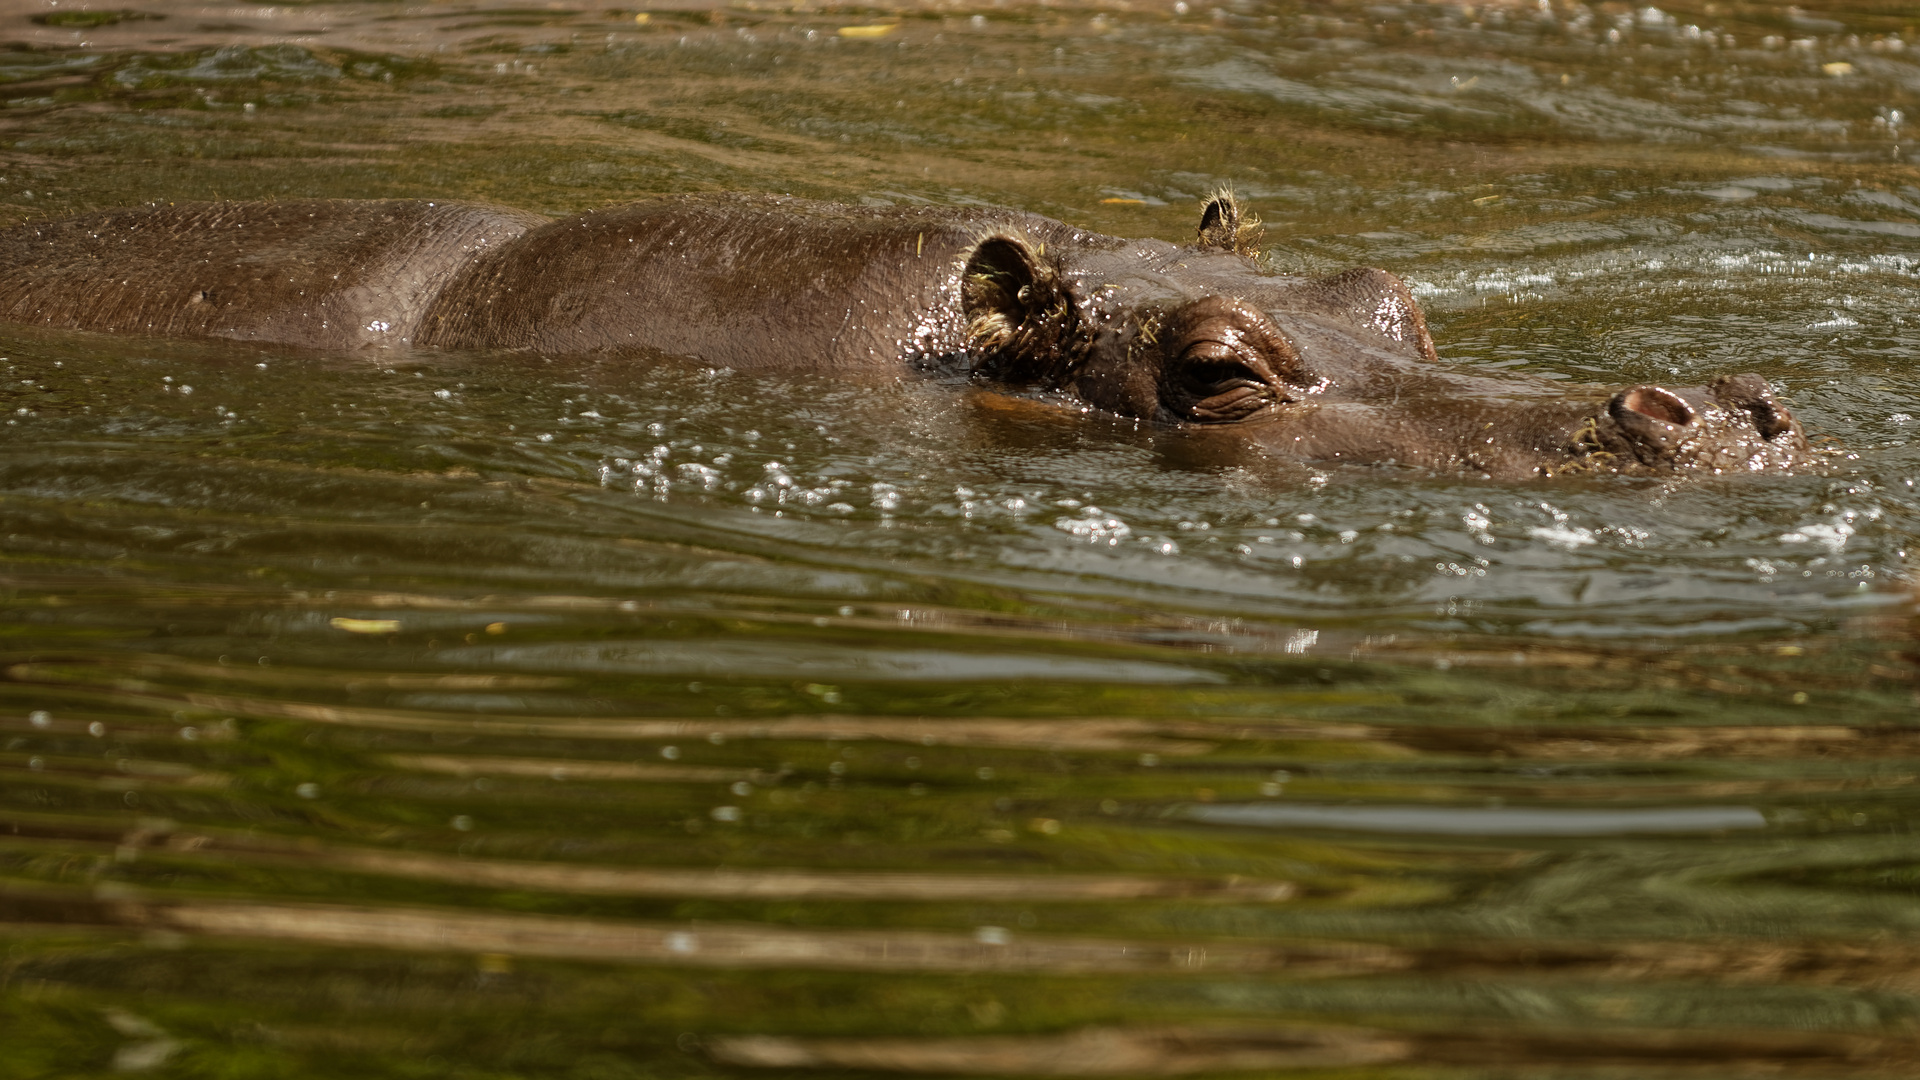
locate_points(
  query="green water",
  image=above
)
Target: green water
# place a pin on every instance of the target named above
(456, 715)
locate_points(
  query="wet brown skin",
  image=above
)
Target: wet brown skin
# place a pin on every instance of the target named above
(1330, 369)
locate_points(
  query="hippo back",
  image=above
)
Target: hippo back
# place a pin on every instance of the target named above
(745, 281)
(323, 274)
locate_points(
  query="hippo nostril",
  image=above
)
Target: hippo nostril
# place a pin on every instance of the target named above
(1769, 419)
(1653, 402)
(1751, 393)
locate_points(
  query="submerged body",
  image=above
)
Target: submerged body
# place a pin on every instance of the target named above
(1338, 368)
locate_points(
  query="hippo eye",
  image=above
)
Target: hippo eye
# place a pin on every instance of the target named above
(1226, 361)
(1220, 385)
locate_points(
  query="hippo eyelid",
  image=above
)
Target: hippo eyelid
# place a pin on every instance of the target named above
(1212, 350)
(1214, 362)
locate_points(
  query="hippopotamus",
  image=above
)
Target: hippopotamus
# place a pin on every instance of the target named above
(1339, 368)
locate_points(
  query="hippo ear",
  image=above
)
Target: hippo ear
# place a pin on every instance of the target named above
(1225, 227)
(1021, 319)
(1382, 303)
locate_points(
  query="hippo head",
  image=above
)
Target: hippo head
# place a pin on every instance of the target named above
(1339, 368)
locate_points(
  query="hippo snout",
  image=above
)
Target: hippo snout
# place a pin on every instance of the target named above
(1732, 423)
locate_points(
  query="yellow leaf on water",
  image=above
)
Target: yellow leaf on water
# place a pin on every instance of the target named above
(871, 31)
(366, 626)
(1837, 69)
(1124, 202)
(642, 17)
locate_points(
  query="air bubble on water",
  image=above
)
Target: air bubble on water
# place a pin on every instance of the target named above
(671, 753)
(707, 478)
(741, 788)
(725, 813)
(1095, 526)
(1562, 536)
(39, 718)
(462, 823)
(1832, 537)
(992, 935)
(312, 791)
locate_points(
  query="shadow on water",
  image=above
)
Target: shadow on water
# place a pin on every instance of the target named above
(430, 714)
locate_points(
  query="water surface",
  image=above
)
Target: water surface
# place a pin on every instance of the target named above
(392, 714)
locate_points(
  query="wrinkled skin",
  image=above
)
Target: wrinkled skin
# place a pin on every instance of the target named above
(1329, 369)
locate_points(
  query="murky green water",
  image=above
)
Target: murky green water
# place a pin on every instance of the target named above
(491, 716)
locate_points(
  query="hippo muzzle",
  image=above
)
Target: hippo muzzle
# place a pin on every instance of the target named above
(1732, 424)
